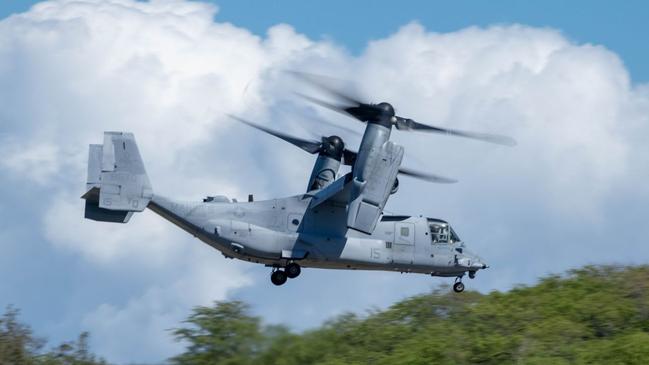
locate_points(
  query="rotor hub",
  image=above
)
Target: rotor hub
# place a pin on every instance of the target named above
(386, 109)
(332, 146)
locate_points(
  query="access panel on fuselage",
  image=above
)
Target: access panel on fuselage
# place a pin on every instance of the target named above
(403, 248)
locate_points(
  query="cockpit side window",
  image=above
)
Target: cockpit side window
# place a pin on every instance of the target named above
(439, 233)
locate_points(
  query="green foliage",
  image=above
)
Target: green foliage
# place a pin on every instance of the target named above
(222, 334)
(18, 346)
(593, 315)
(72, 353)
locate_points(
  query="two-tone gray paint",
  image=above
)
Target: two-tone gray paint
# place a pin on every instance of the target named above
(273, 232)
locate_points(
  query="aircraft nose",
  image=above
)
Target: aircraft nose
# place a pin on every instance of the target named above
(479, 265)
(471, 261)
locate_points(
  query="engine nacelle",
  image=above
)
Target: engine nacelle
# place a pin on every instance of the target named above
(324, 172)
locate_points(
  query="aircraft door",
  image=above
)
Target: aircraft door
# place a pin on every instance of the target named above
(403, 249)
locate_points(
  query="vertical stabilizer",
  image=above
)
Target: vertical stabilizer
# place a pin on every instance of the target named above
(117, 182)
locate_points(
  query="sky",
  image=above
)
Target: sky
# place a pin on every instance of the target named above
(352, 25)
(569, 82)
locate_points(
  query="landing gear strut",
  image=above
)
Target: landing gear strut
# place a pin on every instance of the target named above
(458, 287)
(278, 277)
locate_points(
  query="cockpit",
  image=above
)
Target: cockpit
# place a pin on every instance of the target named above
(441, 232)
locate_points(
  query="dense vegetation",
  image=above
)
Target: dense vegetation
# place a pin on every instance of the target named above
(18, 346)
(591, 315)
(594, 315)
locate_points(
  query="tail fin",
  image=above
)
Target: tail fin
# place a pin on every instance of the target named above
(117, 183)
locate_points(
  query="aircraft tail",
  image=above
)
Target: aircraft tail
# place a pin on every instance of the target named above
(117, 184)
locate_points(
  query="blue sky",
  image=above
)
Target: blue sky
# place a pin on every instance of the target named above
(569, 82)
(617, 25)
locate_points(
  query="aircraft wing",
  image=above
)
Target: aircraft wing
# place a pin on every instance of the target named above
(327, 211)
(338, 192)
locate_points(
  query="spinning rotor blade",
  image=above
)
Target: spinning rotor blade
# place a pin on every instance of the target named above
(350, 158)
(362, 112)
(323, 103)
(426, 176)
(367, 112)
(346, 104)
(325, 83)
(404, 124)
(309, 146)
(328, 126)
(336, 126)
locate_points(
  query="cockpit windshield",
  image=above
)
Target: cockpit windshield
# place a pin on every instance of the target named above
(441, 232)
(454, 236)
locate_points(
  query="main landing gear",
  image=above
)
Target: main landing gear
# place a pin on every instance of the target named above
(279, 276)
(458, 287)
(293, 270)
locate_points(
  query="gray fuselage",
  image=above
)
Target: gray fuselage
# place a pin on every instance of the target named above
(275, 232)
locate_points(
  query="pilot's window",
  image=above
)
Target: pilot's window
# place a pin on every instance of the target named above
(439, 233)
(454, 236)
(405, 231)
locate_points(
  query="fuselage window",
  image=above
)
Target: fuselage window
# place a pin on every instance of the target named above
(405, 231)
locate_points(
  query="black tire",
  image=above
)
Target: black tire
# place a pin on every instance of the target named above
(278, 277)
(458, 287)
(293, 270)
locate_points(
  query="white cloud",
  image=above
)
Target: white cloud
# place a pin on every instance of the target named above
(146, 320)
(37, 162)
(564, 102)
(146, 236)
(168, 72)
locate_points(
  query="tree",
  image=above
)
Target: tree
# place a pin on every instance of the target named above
(593, 315)
(17, 344)
(222, 334)
(72, 353)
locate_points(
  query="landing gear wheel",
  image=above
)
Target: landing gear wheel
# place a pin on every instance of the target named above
(293, 270)
(458, 287)
(278, 277)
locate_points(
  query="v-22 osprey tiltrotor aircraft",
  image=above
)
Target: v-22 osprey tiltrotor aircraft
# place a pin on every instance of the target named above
(338, 223)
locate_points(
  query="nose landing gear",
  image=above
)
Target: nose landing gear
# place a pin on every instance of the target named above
(279, 276)
(458, 287)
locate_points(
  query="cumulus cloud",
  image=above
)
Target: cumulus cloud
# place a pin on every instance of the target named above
(167, 71)
(37, 162)
(146, 319)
